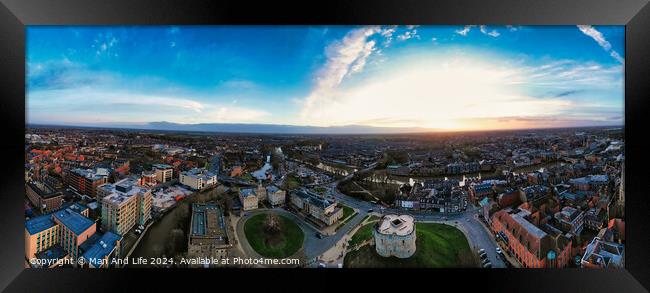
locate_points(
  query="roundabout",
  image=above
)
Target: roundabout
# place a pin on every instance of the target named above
(273, 235)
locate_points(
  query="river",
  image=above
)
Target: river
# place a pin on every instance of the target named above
(157, 239)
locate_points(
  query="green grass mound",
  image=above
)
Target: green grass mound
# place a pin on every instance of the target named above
(437, 246)
(364, 233)
(277, 245)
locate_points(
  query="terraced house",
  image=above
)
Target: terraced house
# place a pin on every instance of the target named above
(534, 247)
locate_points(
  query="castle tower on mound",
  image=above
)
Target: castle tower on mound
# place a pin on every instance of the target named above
(395, 236)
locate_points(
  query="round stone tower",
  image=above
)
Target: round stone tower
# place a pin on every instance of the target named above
(395, 236)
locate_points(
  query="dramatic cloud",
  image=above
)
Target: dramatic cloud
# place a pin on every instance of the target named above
(343, 58)
(465, 93)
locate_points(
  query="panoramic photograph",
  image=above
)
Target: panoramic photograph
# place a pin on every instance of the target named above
(408, 146)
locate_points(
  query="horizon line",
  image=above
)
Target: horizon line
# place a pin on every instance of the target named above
(425, 130)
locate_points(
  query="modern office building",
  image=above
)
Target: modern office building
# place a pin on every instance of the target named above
(198, 179)
(44, 197)
(321, 209)
(395, 236)
(125, 205)
(208, 235)
(85, 181)
(163, 172)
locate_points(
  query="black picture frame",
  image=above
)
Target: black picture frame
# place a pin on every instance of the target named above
(16, 14)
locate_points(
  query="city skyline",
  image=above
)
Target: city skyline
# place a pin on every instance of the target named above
(436, 78)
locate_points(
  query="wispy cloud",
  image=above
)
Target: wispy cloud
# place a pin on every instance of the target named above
(617, 57)
(565, 93)
(463, 32)
(387, 33)
(62, 74)
(600, 39)
(492, 33)
(484, 30)
(596, 35)
(411, 34)
(513, 28)
(90, 105)
(344, 57)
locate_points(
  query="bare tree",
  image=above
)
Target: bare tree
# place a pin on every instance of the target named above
(272, 223)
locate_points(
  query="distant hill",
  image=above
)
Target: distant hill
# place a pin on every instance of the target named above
(276, 128)
(257, 128)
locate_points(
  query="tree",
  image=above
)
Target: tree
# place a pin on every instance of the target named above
(272, 224)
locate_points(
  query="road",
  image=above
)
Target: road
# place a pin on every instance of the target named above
(476, 232)
(313, 246)
(467, 221)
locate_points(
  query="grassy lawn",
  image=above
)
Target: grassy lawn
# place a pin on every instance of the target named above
(282, 245)
(347, 211)
(364, 233)
(437, 246)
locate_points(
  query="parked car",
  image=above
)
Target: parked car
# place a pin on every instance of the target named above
(138, 231)
(487, 265)
(319, 235)
(499, 251)
(371, 210)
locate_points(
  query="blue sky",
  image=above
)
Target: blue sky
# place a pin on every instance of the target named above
(436, 77)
